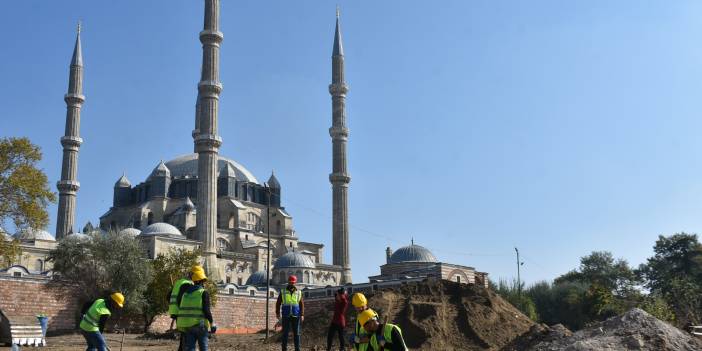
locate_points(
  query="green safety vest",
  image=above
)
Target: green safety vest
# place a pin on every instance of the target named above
(291, 302)
(91, 319)
(190, 310)
(376, 342)
(173, 302)
(361, 332)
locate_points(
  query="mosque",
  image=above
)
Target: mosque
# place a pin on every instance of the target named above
(209, 202)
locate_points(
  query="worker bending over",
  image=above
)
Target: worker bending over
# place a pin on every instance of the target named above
(361, 338)
(383, 336)
(94, 318)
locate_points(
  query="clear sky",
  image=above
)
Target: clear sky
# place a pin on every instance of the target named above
(476, 126)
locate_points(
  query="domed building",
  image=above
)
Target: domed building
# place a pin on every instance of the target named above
(162, 212)
(415, 261)
(35, 245)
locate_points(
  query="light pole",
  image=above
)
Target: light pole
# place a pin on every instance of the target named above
(268, 261)
(519, 280)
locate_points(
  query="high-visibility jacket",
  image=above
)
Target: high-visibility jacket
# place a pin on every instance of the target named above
(190, 310)
(360, 333)
(291, 303)
(379, 340)
(91, 318)
(173, 301)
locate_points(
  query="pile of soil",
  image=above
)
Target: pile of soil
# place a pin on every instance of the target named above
(634, 330)
(436, 315)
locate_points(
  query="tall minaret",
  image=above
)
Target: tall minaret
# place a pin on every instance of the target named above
(339, 177)
(68, 185)
(207, 141)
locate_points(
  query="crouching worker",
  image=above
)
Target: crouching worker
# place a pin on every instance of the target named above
(194, 316)
(94, 318)
(383, 336)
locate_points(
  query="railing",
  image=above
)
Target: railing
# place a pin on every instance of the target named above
(696, 330)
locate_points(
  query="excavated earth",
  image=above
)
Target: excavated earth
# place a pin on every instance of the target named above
(436, 315)
(634, 330)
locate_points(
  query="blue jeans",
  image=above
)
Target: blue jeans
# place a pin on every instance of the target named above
(197, 334)
(95, 340)
(288, 323)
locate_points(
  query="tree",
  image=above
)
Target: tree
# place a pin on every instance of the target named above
(601, 269)
(167, 269)
(100, 263)
(24, 189)
(674, 273)
(512, 294)
(10, 251)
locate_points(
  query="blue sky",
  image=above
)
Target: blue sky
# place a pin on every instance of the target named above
(476, 126)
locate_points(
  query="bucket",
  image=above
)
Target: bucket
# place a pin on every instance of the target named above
(44, 322)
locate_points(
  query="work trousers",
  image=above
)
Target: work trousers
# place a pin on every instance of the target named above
(196, 335)
(336, 329)
(95, 340)
(291, 322)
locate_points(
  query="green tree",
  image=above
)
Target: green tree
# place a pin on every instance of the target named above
(103, 262)
(511, 293)
(675, 274)
(24, 189)
(10, 251)
(168, 268)
(601, 269)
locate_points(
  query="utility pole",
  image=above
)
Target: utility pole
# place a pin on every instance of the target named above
(268, 261)
(519, 279)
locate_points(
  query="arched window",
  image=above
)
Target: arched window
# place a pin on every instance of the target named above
(308, 277)
(232, 221)
(278, 227)
(298, 274)
(458, 279)
(282, 278)
(222, 244)
(39, 266)
(150, 218)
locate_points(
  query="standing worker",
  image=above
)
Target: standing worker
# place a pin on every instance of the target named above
(95, 317)
(384, 337)
(177, 291)
(361, 338)
(194, 315)
(293, 312)
(338, 323)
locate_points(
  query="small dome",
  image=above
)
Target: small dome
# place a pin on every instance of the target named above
(130, 231)
(30, 234)
(123, 182)
(161, 229)
(188, 205)
(258, 278)
(293, 260)
(412, 253)
(273, 182)
(161, 171)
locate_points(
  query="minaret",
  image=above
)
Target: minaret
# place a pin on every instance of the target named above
(68, 185)
(207, 141)
(339, 177)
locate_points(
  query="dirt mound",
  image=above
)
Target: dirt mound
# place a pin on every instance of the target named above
(634, 330)
(437, 315)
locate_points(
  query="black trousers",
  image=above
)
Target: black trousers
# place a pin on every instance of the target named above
(336, 329)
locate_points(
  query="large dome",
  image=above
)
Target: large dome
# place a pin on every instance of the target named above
(258, 278)
(412, 253)
(161, 229)
(32, 234)
(293, 260)
(186, 165)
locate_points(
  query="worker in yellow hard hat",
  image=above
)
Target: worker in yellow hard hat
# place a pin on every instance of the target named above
(360, 338)
(95, 316)
(384, 336)
(179, 287)
(194, 315)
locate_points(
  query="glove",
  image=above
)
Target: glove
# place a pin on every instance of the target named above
(356, 339)
(213, 329)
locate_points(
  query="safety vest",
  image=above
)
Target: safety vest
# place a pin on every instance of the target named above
(173, 302)
(190, 310)
(361, 332)
(379, 340)
(91, 319)
(291, 302)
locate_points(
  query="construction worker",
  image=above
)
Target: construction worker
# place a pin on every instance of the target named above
(293, 309)
(194, 315)
(177, 290)
(384, 337)
(94, 318)
(361, 338)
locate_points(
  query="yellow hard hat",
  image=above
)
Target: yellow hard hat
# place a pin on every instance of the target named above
(198, 276)
(197, 268)
(118, 298)
(366, 315)
(359, 300)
